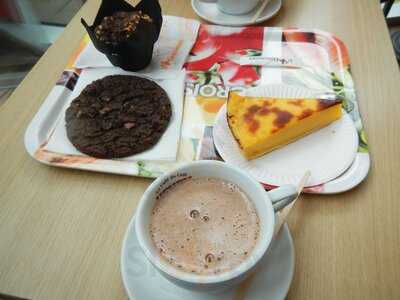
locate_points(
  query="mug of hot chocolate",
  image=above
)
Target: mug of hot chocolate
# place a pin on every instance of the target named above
(206, 225)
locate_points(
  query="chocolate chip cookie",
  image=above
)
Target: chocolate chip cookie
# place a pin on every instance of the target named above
(118, 116)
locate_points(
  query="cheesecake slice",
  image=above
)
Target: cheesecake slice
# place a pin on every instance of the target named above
(261, 124)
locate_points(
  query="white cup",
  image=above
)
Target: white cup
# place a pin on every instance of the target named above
(265, 203)
(234, 7)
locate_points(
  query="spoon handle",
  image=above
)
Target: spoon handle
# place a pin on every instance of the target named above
(259, 11)
(283, 214)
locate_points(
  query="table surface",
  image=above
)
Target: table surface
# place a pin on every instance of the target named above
(61, 230)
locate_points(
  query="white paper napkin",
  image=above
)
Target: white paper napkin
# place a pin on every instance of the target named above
(176, 39)
(166, 148)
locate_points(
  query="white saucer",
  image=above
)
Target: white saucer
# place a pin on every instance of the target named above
(211, 13)
(326, 153)
(271, 280)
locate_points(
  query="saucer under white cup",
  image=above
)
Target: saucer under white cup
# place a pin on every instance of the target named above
(271, 280)
(210, 11)
(265, 203)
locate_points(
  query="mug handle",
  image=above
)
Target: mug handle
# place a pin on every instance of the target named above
(282, 196)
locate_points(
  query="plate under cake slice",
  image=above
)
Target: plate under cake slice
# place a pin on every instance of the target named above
(261, 124)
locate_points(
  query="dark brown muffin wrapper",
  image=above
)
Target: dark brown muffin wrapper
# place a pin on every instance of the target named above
(136, 52)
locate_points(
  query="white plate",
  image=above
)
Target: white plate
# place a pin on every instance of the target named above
(211, 13)
(327, 153)
(271, 281)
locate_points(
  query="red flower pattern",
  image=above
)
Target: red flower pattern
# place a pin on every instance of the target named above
(219, 45)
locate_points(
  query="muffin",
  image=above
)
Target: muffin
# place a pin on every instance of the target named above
(126, 34)
(121, 26)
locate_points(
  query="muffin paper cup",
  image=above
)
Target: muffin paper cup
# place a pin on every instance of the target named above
(136, 52)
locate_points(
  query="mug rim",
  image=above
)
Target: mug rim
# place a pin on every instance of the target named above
(255, 256)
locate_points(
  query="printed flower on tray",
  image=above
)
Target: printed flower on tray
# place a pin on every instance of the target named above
(214, 56)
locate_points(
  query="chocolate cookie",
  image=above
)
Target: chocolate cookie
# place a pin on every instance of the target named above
(118, 116)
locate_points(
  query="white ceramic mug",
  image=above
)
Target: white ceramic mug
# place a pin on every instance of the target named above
(265, 203)
(235, 7)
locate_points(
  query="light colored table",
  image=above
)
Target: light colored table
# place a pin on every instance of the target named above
(61, 230)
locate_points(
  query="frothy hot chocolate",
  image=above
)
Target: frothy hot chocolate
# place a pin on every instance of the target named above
(204, 226)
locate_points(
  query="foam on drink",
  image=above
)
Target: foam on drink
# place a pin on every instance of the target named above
(204, 226)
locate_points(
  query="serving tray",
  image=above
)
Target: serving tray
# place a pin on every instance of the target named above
(212, 70)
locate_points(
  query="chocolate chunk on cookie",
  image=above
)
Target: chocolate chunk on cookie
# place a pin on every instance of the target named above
(118, 116)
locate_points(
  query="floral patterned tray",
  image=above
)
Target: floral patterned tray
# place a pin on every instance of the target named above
(212, 70)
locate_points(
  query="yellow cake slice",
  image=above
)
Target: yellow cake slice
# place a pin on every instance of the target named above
(261, 125)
